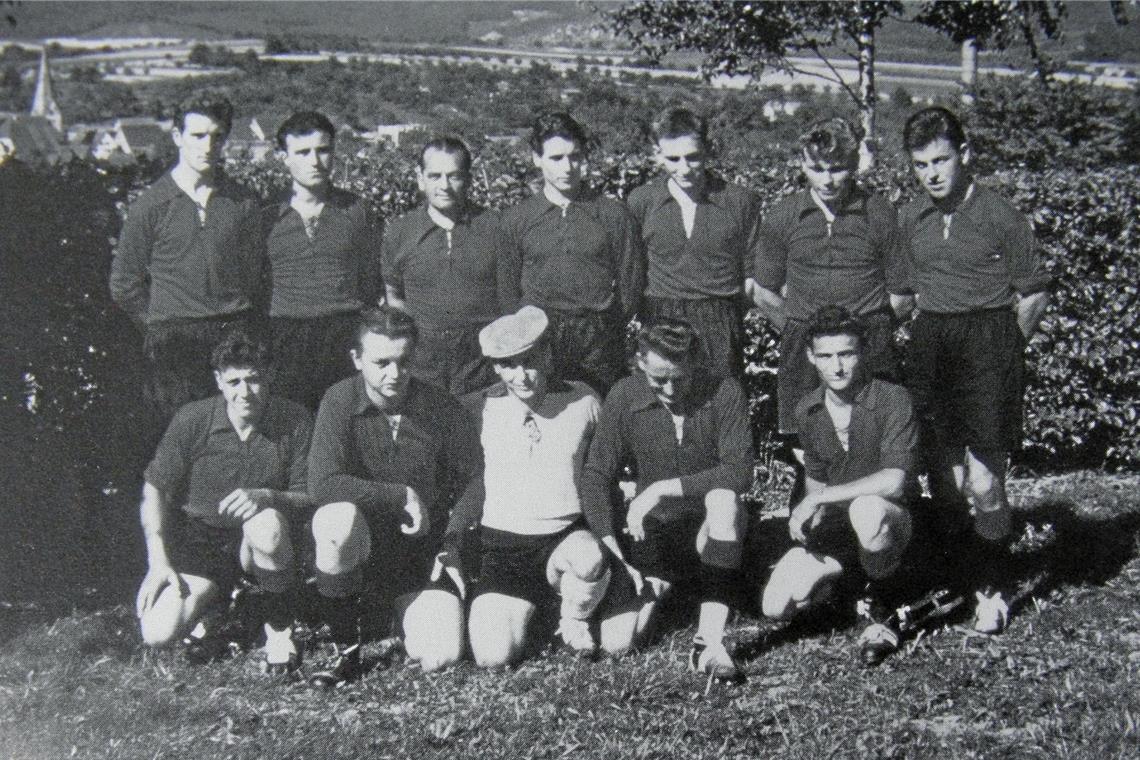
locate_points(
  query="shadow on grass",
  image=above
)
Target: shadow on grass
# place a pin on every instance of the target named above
(1085, 535)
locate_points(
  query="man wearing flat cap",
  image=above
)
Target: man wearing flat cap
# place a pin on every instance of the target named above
(535, 430)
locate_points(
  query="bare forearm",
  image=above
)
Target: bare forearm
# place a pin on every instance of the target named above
(153, 517)
(771, 305)
(887, 483)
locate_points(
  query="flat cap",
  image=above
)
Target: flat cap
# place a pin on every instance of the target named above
(513, 334)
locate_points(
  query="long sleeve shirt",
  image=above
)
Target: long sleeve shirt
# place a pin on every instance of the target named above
(172, 263)
(585, 258)
(356, 458)
(463, 277)
(715, 260)
(332, 272)
(715, 450)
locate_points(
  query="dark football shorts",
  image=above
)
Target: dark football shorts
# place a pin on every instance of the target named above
(401, 564)
(206, 551)
(966, 373)
(669, 549)
(515, 565)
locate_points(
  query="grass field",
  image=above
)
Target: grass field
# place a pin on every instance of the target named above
(1062, 682)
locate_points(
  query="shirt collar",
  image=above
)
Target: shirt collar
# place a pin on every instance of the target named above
(220, 421)
(856, 203)
(868, 396)
(702, 386)
(926, 204)
(710, 193)
(338, 199)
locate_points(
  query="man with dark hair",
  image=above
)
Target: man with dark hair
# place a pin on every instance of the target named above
(832, 243)
(447, 263)
(322, 263)
(686, 432)
(390, 455)
(233, 467)
(700, 234)
(981, 290)
(853, 523)
(535, 430)
(187, 264)
(581, 257)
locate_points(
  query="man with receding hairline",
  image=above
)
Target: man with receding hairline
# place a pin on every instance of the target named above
(447, 264)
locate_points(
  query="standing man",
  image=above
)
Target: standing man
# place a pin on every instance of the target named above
(390, 455)
(188, 261)
(860, 440)
(700, 234)
(447, 263)
(581, 257)
(216, 503)
(535, 430)
(981, 290)
(319, 244)
(685, 430)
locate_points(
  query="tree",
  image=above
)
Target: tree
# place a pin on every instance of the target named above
(978, 24)
(747, 37)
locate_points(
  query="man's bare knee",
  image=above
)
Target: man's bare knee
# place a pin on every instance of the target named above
(337, 536)
(582, 555)
(266, 532)
(724, 514)
(798, 581)
(868, 516)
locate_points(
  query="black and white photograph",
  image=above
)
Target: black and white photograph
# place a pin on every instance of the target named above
(659, 379)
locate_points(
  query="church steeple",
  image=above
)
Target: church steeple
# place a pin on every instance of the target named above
(43, 104)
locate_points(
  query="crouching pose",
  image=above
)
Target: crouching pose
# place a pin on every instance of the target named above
(860, 438)
(686, 431)
(389, 455)
(235, 466)
(535, 431)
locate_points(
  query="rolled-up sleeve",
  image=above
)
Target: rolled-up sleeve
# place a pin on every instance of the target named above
(899, 441)
(1027, 272)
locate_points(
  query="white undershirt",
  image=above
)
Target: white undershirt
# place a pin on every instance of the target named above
(688, 207)
(828, 214)
(678, 427)
(444, 222)
(947, 218)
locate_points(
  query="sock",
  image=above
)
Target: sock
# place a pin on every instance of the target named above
(342, 615)
(580, 597)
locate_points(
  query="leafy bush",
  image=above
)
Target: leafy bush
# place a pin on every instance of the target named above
(1082, 405)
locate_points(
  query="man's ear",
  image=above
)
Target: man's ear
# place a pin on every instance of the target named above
(966, 154)
(536, 159)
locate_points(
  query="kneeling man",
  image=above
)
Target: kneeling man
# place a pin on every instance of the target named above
(686, 432)
(535, 431)
(860, 438)
(389, 456)
(235, 466)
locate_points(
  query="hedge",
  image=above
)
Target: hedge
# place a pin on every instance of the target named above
(74, 353)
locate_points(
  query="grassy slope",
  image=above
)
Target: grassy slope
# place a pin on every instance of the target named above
(1062, 682)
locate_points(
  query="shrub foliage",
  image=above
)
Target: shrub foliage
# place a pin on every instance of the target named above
(74, 353)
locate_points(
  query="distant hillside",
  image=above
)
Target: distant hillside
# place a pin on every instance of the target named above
(433, 22)
(1090, 33)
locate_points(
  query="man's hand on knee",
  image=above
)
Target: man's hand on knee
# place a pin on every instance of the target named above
(243, 503)
(157, 579)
